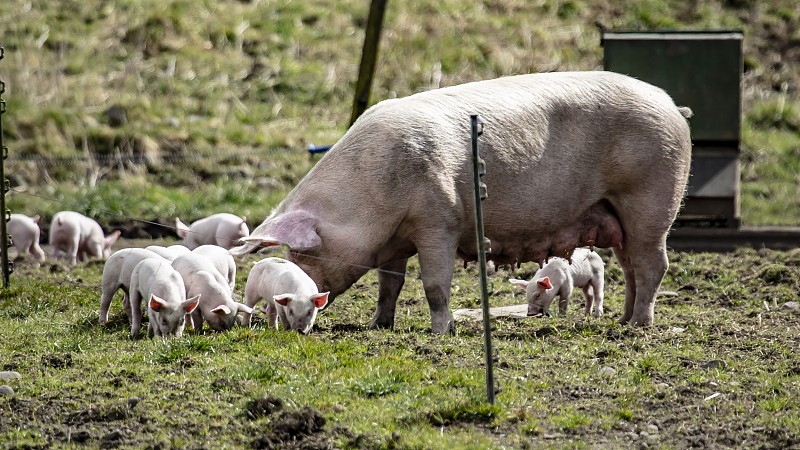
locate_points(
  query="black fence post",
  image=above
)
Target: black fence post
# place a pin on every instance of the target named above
(5, 239)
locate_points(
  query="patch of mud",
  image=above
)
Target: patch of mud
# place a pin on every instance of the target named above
(303, 429)
(57, 361)
(262, 407)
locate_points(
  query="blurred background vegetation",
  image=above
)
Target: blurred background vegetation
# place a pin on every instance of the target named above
(152, 109)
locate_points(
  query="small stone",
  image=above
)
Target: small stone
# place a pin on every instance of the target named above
(632, 435)
(6, 391)
(609, 371)
(652, 429)
(8, 375)
(662, 386)
(791, 306)
(677, 330)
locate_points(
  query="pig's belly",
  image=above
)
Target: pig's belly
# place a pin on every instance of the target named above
(599, 226)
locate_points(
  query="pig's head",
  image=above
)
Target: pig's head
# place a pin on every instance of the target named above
(170, 318)
(539, 293)
(220, 310)
(324, 253)
(301, 310)
(224, 317)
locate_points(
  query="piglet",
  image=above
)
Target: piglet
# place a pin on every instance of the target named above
(221, 229)
(79, 237)
(24, 232)
(170, 253)
(558, 277)
(289, 292)
(217, 306)
(222, 260)
(117, 273)
(161, 286)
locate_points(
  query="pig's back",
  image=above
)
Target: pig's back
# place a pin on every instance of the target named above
(281, 276)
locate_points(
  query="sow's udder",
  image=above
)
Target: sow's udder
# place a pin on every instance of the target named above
(600, 227)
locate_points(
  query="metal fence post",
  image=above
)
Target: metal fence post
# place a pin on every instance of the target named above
(483, 247)
(5, 239)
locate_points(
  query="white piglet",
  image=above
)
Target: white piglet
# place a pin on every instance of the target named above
(222, 260)
(24, 232)
(117, 273)
(221, 229)
(289, 292)
(558, 277)
(217, 306)
(155, 281)
(170, 253)
(80, 238)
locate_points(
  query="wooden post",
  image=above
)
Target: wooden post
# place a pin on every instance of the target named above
(369, 56)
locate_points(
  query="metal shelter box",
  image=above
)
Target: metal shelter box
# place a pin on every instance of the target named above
(701, 70)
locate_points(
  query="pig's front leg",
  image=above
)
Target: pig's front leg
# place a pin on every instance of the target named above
(391, 277)
(136, 310)
(196, 320)
(597, 288)
(563, 297)
(436, 269)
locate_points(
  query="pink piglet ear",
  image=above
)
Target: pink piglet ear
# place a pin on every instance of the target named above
(155, 303)
(221, 310)
(522, 284)
(544, 282)
(320, 300)
(282, 299)
(191, 304)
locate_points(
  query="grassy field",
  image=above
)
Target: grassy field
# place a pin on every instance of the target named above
(222, 98)
(718, 370)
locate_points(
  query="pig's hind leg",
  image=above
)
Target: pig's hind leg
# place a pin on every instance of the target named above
(643, 258)
(391, 278)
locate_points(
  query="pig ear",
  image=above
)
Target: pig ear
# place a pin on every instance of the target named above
(283, 299)
(181, 228)
(320, 300)
(544, 282)
(111, 238)
(522, 284)
(244, 308)
(296, 229)
(156, 303)
(190, 305)
(221, 310)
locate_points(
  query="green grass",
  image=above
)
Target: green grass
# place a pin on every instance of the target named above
(222, 98)
(716, 351)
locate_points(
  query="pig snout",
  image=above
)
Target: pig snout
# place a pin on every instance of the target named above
(536, 311)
